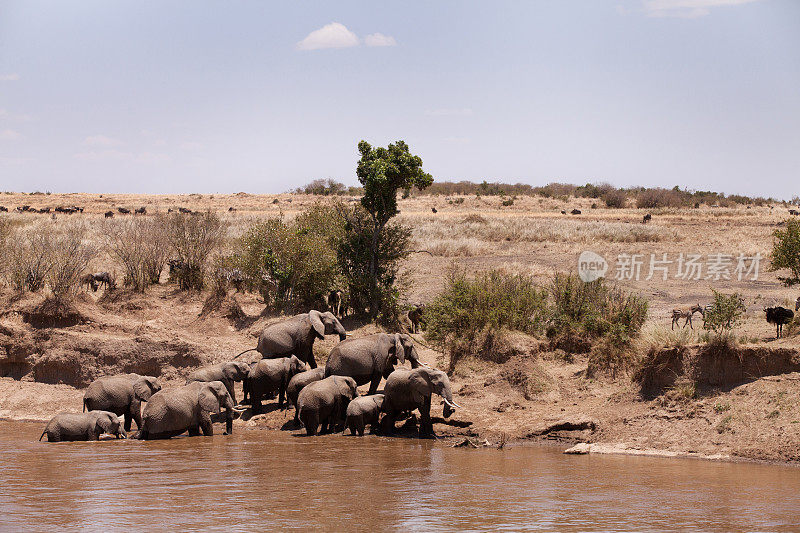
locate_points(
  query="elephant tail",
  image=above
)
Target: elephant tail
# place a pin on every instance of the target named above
(244, 352)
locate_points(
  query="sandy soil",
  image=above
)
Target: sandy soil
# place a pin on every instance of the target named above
(537, 395)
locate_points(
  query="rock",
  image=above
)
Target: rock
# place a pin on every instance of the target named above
(582, 448)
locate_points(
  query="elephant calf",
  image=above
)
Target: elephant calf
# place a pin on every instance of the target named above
(325, 402)
(122, 395)
(227, 373)
(268, 376)
(172, 412)
(362, 411)
(82, 426)
(298, 382)
(406, 390)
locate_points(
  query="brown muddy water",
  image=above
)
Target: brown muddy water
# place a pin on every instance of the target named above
(267, 480)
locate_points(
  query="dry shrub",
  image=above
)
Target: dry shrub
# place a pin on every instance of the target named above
(140, 245)
(654, 198)
(615, 199)
(70, 256)
(28, 257)
(194, 238)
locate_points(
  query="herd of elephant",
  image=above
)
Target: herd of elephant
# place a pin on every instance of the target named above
(325, 398)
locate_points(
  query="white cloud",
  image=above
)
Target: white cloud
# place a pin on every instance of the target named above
(10, 135)
(333, 35)
(101, 140)
(463, 112)
(10, 77)
(379, 39)
(687, 8)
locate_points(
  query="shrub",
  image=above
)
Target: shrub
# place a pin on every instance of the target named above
(615, 199)
(28, 257)
(193, 238)
(323, 187)
(70, 255)
(140, 244)
(468, 317)
(292, 263)
(786, 251)
(654, 198)
(725, 313)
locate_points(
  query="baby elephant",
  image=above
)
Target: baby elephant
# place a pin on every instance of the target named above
(363, 411)
(268, 376)
(82, 426)
(325, 402)
(227, 373)
(298, 382)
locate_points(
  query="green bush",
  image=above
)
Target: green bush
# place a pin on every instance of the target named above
(786, 251)
(323, 187)
(725, 313)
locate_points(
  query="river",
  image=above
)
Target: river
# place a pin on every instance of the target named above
(258, 480)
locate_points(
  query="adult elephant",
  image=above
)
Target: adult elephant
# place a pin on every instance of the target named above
(296, 335)
(172, 412)
(269, 376)
(82, 426)
(325, 402)
(369, 358)
(122, 395)
(406, 390)
(227, 373)
(298, 382)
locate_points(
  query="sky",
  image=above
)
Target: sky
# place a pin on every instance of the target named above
(262, 97)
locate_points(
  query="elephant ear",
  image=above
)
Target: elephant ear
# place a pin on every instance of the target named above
(230, 371)
(316, 323)
(399, 351)
(420, 387)
(104, 424)
(208, 400)
(142, 390)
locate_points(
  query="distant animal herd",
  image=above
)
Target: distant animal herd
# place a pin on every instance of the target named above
(777, 315)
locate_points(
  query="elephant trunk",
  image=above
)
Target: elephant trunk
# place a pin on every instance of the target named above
(228, 414)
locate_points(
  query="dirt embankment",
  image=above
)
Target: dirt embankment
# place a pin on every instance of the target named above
(696, 400)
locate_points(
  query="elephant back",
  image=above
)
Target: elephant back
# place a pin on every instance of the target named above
(113, 393)
(357, 358)
(301, 380)
(397, 391)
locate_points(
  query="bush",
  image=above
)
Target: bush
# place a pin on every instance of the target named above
(725, 313)
(140, 244)
(193, 238)
(70, 256)
(28, 257)
(786, 251)
(466, 317)
(323, 187)
(615, 199)
(293, 263)
(654, 198)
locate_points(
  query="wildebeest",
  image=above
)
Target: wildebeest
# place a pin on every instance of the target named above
(140, 211)
(230, 209)
(563, 212)
(123, 210)
(185, 210)
(677, 314)
(647, 218)
(89, 281)
(109, 214)
(334, 302)
(576, 212)
(778, 316)
(433, 210)
(3, 209)
(794, 212)
(415, 316)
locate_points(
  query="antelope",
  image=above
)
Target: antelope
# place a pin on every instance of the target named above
(677, 314)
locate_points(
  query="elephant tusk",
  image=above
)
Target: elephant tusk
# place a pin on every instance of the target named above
(451, 404)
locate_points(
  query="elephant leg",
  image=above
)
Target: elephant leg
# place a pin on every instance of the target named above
(128, 421)
(360, 428)
(282, 393)
(255, 401)
(229, 385)
(425, 424)
(194, 431)
(387, 424)
(135, 412)
(373, 385)
(206, 425)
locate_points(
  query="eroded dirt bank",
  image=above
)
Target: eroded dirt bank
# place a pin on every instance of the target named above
(743, 404)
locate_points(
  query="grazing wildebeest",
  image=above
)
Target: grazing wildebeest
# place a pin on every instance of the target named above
(576, 211)
(104, 278)
(109, 214)
(140, 211)
(3, 209)
(677, 314)
(123, 210)
(89, 281)
(778, 316)
(647, 218)
(231, 209)
(794, 212)
(433, 210)
(184, 210)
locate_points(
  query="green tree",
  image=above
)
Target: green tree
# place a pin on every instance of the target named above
(725, 313)
(382, 171)
(786, 251)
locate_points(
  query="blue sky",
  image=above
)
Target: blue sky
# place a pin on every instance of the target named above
(167, 97)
